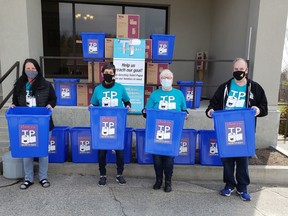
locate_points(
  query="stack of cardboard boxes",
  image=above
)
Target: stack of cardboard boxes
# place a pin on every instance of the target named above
(128, 26)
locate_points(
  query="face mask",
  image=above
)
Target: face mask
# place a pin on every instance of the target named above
(239, 75)
(166, 83)
(108, 77)
(31, 74)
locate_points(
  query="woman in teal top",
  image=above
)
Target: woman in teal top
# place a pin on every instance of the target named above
(110, 94)
(165, 98)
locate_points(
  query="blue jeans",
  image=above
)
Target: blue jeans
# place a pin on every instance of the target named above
(119, 161)
(163, 164)
(29, 167)
(242, 174)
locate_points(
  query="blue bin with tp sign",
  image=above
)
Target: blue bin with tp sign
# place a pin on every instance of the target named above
(59, 144)
(187, 88)
(142, 156)
(28, 131)
(66, 91)
(163, 131)
(208, 148)
(108, 126)
(111, 154)
(93, 46)
(235, 131)
(162, 48)
(187, 148)
(81, 146)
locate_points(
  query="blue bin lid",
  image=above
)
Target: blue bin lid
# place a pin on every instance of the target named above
(188, 82)
(66, 80)
(92, 33)
(161, 35)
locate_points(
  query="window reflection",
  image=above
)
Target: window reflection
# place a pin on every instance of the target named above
(60, 39)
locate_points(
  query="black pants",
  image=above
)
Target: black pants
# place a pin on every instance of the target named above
(119, 161)
(163, 164)
(242, 174)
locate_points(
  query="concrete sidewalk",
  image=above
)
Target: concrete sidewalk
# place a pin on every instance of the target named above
(74, 194)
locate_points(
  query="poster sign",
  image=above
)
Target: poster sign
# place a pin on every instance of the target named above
(129, 60)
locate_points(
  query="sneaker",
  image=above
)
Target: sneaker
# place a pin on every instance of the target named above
(120, 179)
(244, 196)
(226, 192)
(102, 181)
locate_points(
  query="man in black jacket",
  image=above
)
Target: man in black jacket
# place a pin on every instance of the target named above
(238, 93)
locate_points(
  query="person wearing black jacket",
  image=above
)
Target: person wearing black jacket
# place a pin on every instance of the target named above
(33, 90)
(238, 93)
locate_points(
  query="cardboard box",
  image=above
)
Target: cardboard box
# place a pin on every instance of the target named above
(153, 72)
(148, 92)
(148, 50)
(128, 26)
(97, 72)
(201, 65)
(84, 94)
(109, 46)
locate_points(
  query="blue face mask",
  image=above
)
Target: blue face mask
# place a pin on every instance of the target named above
(31, 74)
(166, 83)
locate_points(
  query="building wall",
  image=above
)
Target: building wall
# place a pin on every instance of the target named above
(20, 35)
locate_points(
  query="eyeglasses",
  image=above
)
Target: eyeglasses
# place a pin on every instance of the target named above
(165, 77)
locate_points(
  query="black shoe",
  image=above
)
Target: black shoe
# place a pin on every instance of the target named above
(167, 188)
(157, 184)
(120, 179)
(102, 181)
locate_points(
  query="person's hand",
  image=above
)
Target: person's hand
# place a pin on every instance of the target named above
(187, 116)
(256, 109)
(210, 112)
(11, 106)
(49, 107)
(91, 105)
(129, 108)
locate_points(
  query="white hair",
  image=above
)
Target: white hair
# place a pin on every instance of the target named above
(166, 72)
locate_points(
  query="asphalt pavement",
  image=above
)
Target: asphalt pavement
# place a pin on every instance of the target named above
(78, 194)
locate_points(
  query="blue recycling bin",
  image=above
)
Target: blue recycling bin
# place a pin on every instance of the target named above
(208, 148)
(187, 88)
(28, 131)
(163, 131)
(142, 156)
(235, 132)
(81, 147)
(66, 91)
(59, 144)
(187, 148)
(108, 126)
(93, 46)
(111, 154)
(162, 48)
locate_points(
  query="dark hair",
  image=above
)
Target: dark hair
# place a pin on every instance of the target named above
(109, 66)
(21, 82)
(34, 62)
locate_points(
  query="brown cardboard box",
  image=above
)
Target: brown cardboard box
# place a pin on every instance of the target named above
(148, 49)
(109, 46)
(84, 94)
(153, 72)
(97, 72)
(148, 92)
(201, 65)
(128, 26)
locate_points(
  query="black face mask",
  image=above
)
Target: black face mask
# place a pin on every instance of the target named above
(239, 75)
(108, 78)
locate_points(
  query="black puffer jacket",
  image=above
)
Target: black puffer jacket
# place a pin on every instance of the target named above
(255, 96)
